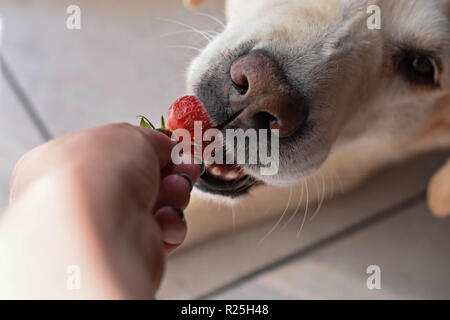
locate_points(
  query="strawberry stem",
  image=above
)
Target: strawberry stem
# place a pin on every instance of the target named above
(145, 123)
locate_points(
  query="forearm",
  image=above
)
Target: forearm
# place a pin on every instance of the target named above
(47, 249)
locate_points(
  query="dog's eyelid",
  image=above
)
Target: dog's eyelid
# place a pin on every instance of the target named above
(437, 70)
(437, 66)
(403, 58)
(405, 50)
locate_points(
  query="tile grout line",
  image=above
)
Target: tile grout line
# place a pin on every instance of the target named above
(24, 100)
(337, 236)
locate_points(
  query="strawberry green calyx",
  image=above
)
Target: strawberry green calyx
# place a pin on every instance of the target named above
(145, 123)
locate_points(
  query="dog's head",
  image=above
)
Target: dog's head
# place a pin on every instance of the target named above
(325, 75)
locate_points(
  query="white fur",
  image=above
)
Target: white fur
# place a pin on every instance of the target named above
(368, 115)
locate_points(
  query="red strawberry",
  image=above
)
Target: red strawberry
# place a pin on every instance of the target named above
(185, 111)
(183, 114)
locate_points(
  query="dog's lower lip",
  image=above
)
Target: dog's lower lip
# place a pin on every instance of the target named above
(228, 180)
(209, 183)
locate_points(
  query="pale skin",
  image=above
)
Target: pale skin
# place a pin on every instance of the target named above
(108, 201)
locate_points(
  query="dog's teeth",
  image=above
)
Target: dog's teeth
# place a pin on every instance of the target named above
(232, 175)
(216, 171)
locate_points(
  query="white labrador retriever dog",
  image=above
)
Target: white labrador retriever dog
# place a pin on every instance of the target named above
(347, 98)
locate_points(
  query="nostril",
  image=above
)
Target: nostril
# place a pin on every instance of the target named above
(265, 120)
(260, 87)
(241, 84)
(242, 89)
(239, 80)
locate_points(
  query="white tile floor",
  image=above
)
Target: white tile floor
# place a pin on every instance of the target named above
(121, 64)
(17, 135)
(414, 265)
(212, 268)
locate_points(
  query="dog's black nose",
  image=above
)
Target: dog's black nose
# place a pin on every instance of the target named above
(261, 90)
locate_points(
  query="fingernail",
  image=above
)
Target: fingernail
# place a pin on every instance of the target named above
(180, 212)
(165, 131)
(202, 169)
(201, 164)
(188, 179)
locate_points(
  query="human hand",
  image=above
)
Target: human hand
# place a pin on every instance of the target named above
(115, 188)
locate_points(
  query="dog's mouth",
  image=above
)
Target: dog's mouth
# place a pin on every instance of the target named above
(228, 180)
(225, 172)
(225, 180)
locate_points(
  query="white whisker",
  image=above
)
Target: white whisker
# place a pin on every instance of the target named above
(280, 219)
(194, 29)
(306, 210)
(221, 23)
(186, 47)
(179, 32)
(332, 187)
(322, 198)
(233, 217)
(207, 32)
(299, 203)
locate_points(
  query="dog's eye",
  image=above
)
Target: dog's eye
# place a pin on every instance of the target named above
(420, 69)
(423, 66)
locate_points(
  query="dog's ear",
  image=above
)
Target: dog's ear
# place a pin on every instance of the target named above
(192, 3)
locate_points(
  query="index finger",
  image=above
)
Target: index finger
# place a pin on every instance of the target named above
(161, 143)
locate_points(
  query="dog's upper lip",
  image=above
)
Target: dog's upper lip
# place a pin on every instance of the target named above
(233, 117)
